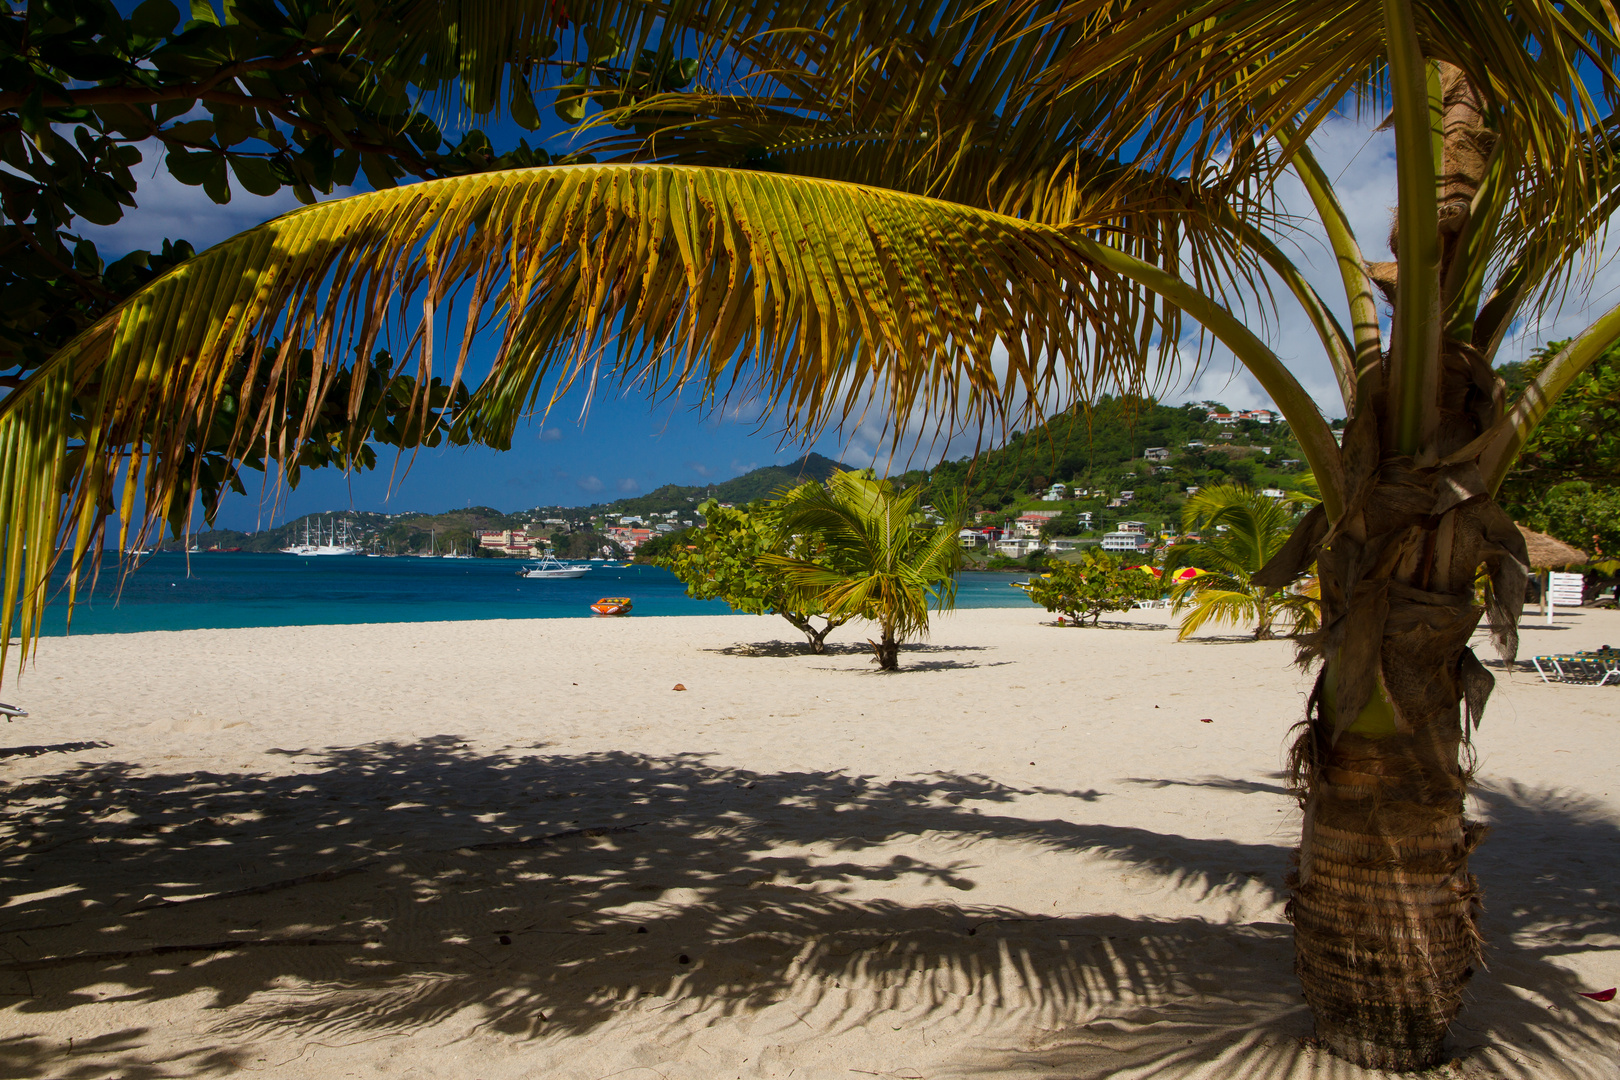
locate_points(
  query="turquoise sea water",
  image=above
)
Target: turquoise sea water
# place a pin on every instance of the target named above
(233, 590)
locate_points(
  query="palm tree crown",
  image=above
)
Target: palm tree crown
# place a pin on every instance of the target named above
(878, 563)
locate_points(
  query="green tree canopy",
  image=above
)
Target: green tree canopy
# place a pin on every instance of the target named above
(725, 560)
(1090, 586)
(1566, 482)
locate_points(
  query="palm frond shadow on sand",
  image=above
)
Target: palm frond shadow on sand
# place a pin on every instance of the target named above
(415, 870)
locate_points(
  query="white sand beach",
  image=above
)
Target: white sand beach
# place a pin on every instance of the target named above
(510, 849)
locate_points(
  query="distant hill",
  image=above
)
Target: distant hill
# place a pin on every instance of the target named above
(759, 484)
(1101, 451)
(763, 483)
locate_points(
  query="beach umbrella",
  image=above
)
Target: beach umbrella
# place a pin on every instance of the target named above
(1546, 553)
(1187, 573)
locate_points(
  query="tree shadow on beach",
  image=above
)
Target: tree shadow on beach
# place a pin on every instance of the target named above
(1111, 624)
(781, 649)
(51, 748)
(380, 889)
(1221, 783)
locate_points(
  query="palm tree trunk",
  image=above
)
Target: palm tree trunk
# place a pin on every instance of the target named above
(1262, 628)
(816, 640)
(1384, 908)
(888, 649)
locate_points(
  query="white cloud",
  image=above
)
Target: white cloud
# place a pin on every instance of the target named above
(550, 434)
(629, 485)
(588, 483)
(699, 468)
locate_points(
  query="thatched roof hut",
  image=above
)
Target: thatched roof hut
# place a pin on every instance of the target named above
(1549, 554)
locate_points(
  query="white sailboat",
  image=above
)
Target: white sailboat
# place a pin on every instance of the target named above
(306, 548)
(323, 545)
(334, 547)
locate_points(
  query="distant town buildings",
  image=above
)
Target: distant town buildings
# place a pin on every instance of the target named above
(629, 538)
(1263, 417)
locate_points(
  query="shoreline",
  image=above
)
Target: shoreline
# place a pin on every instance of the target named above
(1025, 853)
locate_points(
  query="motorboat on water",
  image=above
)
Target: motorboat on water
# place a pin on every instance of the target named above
(612, 605)
(548, 568)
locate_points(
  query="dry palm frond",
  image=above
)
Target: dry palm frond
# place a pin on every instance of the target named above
(823, 299)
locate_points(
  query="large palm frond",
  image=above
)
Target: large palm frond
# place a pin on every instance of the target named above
(924, 96)
(821, 298)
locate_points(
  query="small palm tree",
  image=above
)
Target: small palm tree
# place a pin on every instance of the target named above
(877, 562)
(1241, 530)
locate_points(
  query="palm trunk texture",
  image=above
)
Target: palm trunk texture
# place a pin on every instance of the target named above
(1384, 908)
(887, 650)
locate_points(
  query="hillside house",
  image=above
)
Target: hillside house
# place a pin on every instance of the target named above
(1263, 417)
(1017, 547)
(1157, 453)
(1031, 523)
(1129, 542)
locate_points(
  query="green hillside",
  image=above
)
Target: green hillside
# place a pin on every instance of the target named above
(759, 484)
(1100, 451)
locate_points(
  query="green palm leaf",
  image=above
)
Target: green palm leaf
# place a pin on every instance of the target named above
(1241, 530)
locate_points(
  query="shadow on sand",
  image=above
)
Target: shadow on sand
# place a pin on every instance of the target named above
(379, 889)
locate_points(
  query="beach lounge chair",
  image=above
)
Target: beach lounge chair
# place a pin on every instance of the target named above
(11, 711)
(1587, 668)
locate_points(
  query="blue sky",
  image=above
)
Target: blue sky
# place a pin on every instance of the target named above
(627, 445)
